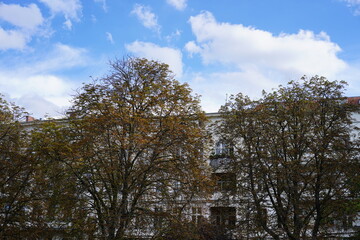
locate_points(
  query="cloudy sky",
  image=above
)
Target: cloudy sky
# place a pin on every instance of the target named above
(48, 48)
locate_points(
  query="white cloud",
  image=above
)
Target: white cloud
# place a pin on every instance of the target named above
(12, 39)
(103, 3)
(42, 106)
(61, 57)
(68, 24)
(217, 86)
(109, 37)
(351, 3)
(351, 76)
(39, 88)
(247, 60)
(192, 48)
(93, 19)
(71, 9)
(146, 17)
(47, 84)
(170, 56)
(355, 4)
(173, 35)
(49, 92)
(178, 4)
(244, 47)
(28, 17)
(25, 22)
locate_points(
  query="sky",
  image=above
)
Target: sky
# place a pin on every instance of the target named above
(50, 48)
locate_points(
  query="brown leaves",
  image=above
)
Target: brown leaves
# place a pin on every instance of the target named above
(293, 148)
(122, 143)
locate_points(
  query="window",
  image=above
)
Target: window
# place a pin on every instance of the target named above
(223, 216)
(178, 152)
(142, 221)
(176, 211)
(225, 181)
(158, 217)
(262, 217)
(347, 221)
(177, 186)
(196, 215)
(159, 188)
(221, 148)
(217, 161)
(221, 155)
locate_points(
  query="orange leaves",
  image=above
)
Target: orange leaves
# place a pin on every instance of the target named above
(123, 138)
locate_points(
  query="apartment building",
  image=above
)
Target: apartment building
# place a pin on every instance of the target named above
(226, 207)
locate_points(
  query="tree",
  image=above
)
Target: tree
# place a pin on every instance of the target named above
(64, 211)
(18, 194)
(13, 174)
(296, 152)
(134, 143)
(189, 231)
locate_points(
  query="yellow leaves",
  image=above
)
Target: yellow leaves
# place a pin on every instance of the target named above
(78, 163)
(293, 148)
(122, 137)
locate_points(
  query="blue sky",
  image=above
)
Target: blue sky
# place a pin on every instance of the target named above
(48, 48)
